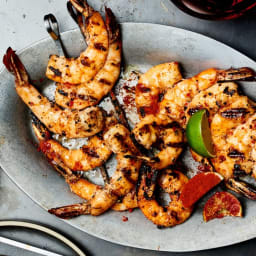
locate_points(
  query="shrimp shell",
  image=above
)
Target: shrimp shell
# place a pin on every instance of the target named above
(151, 86)
(72, 124)
(88, 94)
(176, 99)
(93, 155)
(171, 181)
(100, 199)
(86, 66)
(166, 133)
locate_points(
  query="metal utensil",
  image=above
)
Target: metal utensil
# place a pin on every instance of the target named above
(77, 17)
(40, 228)
(52, 28)
(27, 247)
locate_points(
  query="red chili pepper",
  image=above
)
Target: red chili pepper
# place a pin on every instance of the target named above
(71, 103)
(128, 100)
(78, 166)
(45, 146)
(222, 158)
(124, 219)
(203, 168)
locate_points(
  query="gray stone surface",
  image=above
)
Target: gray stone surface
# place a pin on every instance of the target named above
(21, 24)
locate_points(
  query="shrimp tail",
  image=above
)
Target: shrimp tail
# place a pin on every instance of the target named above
(242, 188)
(83, 7)
(7, 59)
(67, 174)
(240, 74)
(149, 177)
(78, 18)
(43, 135)
(71, 211)
(112, 26)
(39, 128)
(13, 63)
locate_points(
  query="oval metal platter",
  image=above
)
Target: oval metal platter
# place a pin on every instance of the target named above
(144, 45)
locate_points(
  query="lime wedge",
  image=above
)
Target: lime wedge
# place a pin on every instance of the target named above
(199, 135)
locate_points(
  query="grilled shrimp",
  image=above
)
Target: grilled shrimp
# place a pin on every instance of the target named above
(243, 146)
(128, 202)
(233, 137)
(177, 98)
(212, 99)
(87, 190)
(79, 186)
(227, 110)
(171, 181)
(93, 155)
(72, 124)
(165, 134)
(121, 183)
(86, 66)
(88, 94)
(238, 158)
(152, 84)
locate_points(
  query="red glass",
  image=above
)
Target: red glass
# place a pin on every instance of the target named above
(215, 9)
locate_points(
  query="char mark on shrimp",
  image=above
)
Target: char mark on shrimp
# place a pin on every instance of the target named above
(56, 71)
(234, 113)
